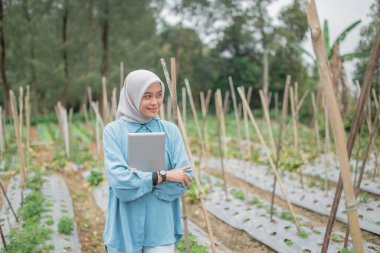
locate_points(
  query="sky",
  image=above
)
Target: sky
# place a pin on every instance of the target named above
(339, 14)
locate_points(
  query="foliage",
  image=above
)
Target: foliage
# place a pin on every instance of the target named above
(59, 160)
(192, 193)
(346, 250)
(65, 225)
(239, 195)
(195, 247)
(95, 178)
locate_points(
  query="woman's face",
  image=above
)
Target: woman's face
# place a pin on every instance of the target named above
(151, 100)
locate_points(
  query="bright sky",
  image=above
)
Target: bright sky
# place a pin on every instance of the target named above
(339, 14)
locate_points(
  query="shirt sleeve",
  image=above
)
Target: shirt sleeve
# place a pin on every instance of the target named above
(126, 184)
(170, 191)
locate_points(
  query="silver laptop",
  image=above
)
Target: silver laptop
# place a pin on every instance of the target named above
(146, 151)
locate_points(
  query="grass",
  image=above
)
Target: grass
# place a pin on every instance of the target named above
(195, 247)
(95, 178)
(239, 195)
(65, 225)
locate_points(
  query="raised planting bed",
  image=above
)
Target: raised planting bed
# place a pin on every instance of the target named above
(46, 217)
(309, 197)
(251, 214)
(368, 184)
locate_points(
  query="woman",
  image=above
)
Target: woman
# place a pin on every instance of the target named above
(144, 213)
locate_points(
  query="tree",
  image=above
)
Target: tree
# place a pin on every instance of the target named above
(2, 62)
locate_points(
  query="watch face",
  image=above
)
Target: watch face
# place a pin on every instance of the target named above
(162, 172)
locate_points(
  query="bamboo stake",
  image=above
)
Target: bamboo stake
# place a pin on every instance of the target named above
(337, 125)
(298, 109)
(9, 203)
(276, 104)
(19, 140)
(237, 118)
(247, 135)
(219, 108)
(315, 122)
(113, 105)
(3, 238)
(280, 139)
(71, 116)
(226, 105)
(162, 111)
(193, 109)
(195, 171)
(105, 100)
(207, 104)
(249, 94)
(327, 141)
(204, 122)
(184, 107)
(264, 104)
(253, 122)
(294, 103)
(84, 108)
(121, 75)
(175, 118)
(362, 168)
(2, 146)
(27, 123)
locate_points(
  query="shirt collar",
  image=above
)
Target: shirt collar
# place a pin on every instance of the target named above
(134, 127)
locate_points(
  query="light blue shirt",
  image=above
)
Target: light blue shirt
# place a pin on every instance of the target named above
(136, 215)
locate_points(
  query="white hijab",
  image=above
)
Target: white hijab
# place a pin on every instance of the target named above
(135, 85)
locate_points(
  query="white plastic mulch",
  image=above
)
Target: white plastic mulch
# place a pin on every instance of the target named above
(312, 198)
(58, 203)
(252, 216)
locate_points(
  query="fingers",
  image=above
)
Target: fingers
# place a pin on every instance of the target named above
(133, 169)
(187, 181)
(186, 167)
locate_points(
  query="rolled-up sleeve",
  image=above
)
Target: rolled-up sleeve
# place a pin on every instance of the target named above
(126, 184)
(169, 191)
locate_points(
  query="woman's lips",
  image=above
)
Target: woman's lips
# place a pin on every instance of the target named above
(153, 109)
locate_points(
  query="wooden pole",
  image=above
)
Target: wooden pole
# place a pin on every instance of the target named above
(113, 105)
(175, 118)
(2, 146)
(247, 135)
(9, 203)
(254, 124)
(20, 152)
(327, 141)
(264, 103)
(226, 104)
(27, 124)
(280, 138)
(232, 88)
(121, 75)
(195, 171)
(184, 108)
(3, 238)
(105, 108)
(219, 108)
(193, 109)
(315, 122)
(337, 125)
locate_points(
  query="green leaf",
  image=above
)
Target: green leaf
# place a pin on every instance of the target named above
(351, 56)
(342, 35)
(302, 50)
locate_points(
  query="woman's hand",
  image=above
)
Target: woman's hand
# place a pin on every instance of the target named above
(179, 175)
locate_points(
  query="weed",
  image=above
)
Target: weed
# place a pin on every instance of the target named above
(95, 178)
(194, 246)
(65, 225)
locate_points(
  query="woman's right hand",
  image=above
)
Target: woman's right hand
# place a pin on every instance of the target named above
(179, 175)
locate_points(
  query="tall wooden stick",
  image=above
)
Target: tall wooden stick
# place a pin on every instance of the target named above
(27, 123)
(121, 75)
(232, 88)
(280, 139)
(3, 238)
(113, 105)
(175, 118)
(184, 108)
(2, 146)
(337, 125)
(226, 104)
(254, 124)
(327, 142)
(315, 122)
(105, 108)
(20, 151)
(247, 135)
(9, 203)
(193, 109)
(219, 108)
(195, 171)
(264, 103)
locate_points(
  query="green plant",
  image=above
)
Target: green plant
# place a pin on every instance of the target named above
(303, 234)
(288, 242)
(286, 215)
(346, 250)
(65, 225)
(59, 160)
(192, 193)
(194, 246)
(336, 237)
(95, 178)
(239, 195)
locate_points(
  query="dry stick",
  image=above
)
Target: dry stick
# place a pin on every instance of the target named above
(19, 141)
(249, 94)
(264, 104)
(27, 123)
(121, 75)
(237, 118)
(190, 156)
(9, 203)
(162, 111)
(218, 107)
(376, 153)
(3, 238)
(99, 122)
(374, 129)
(2, 147)
(298, 109)
(294, 103)
(226, 104)
(84, 107)
(327, 141)
(204, 130)
(253, 122)
(315, 122)
(280, 139)
(114, 104)
(169, 109)
(71, 116)
(208, 99)
(105, 100)
(247, 136)
(175, 118)
(337, 125)
(184, 108)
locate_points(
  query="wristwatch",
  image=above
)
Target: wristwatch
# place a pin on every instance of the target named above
(163, 175)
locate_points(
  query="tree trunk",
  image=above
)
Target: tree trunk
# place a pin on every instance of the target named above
(2, 63)
(105, 39)
(64, 44)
